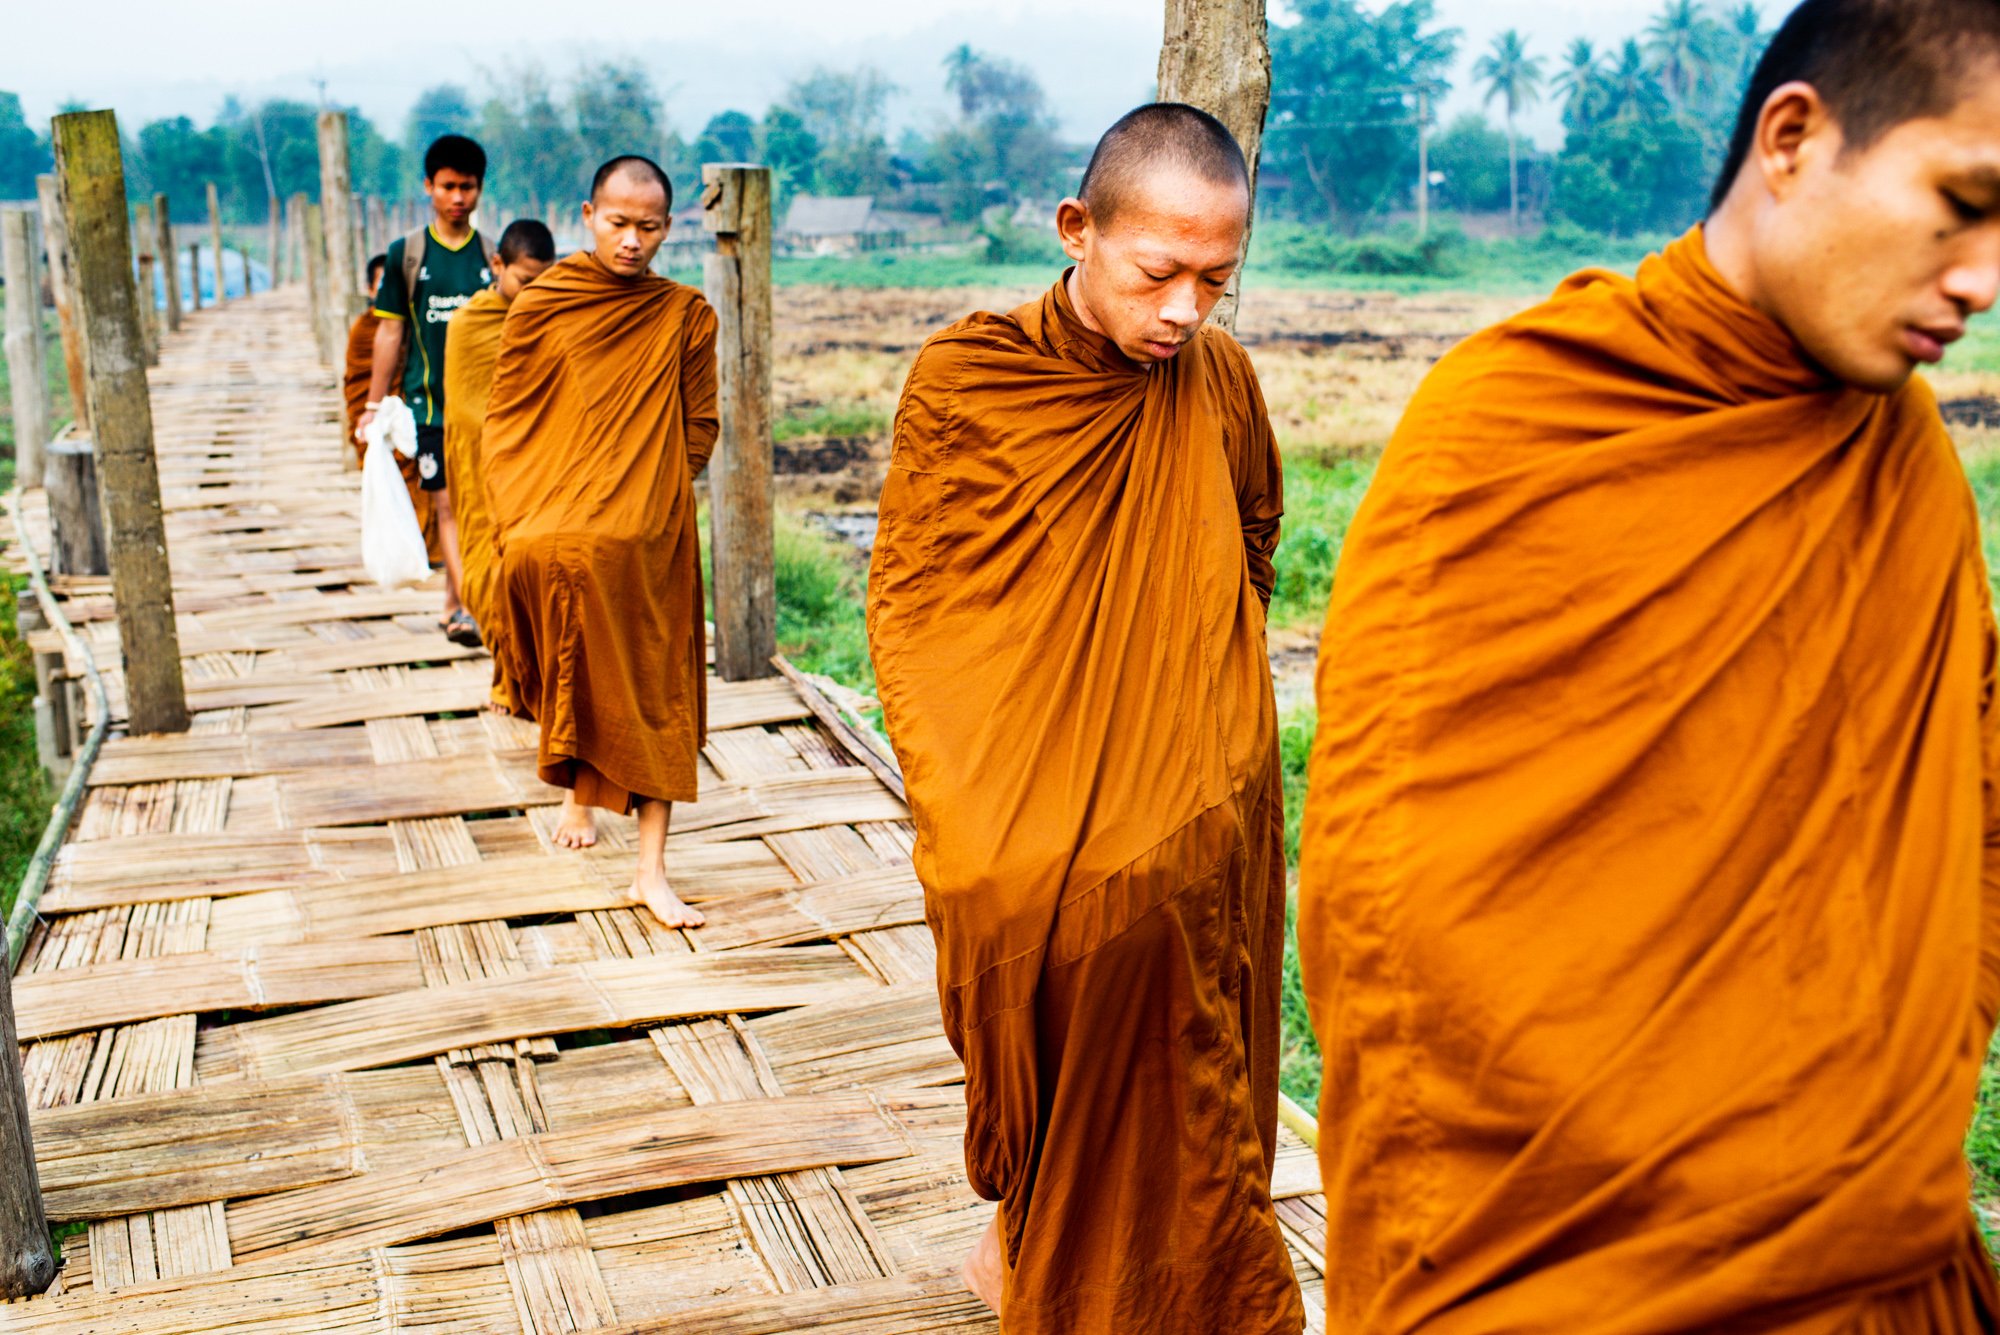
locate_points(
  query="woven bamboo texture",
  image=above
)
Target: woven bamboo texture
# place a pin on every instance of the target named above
(325, 1034)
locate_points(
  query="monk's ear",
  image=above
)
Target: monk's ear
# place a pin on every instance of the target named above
(1793, 131)
(1072, 225)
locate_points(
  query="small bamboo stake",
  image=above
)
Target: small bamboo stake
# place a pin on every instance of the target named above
(215, 243)
(92, 173)
(26, 376)
(295, 238)
(194, 272)
(164, 248)
(736, 202)
(62, 284)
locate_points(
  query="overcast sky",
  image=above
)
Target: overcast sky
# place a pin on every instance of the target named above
(1096, 57)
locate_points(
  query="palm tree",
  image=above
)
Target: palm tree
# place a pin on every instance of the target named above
(1628, 86)
(1746, 32)
(1682, 40)
(1580, 83)
(1515, 77)
(962, 68)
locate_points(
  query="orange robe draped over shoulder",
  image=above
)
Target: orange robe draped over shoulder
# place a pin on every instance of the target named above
(471, 347)
(354, 390)
(1646, 853)
(602, 413)
(1067, 620)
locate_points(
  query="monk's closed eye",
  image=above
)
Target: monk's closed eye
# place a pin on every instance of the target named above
(1966, 211)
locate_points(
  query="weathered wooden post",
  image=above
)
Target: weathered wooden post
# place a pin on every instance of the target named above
(736, 207)
(243, 258)
(342, 289)
(142, 241)
(275, 243)
(1215, 56)
(27, 375)
(295, 237)
(215, 243)
(194, 271)
(316, 294)
(27, 1259)
(92, 172)
(62, 285)
(76, 511)
(164, 248)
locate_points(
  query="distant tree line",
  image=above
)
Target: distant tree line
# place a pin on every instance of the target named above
(1354, 86)
(1647, 123)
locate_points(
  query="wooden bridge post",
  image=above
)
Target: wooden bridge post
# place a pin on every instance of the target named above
(276, 243)
(1215, 56)
(295, 237)
(142, 241)
(76, 512)
(316, 294)
(164, 248)
(62, 285)
(341, 292)
(27, 1259)
(27, 374)
(243, 258)
(194, 272)
(92, 172)
(215, 244)
(736, 207)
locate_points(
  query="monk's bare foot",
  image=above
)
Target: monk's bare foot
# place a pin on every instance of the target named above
(495, 707)
(985, 1270)
(652, 890)
(578, 826)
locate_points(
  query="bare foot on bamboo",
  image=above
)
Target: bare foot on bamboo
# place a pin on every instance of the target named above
(985, 1270)
(578, 826)
(652, 890)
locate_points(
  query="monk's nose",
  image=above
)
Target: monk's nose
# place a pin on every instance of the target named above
(1975, 282)
(1181, 309)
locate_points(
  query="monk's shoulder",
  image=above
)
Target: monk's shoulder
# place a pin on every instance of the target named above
(1228, 363)
(960, 350)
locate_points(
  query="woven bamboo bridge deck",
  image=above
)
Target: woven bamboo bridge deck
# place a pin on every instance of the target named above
(325, 1034)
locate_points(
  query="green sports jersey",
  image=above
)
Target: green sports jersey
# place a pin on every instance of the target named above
(449, 278)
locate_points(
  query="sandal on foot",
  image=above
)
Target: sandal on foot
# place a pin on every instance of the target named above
(462, 629)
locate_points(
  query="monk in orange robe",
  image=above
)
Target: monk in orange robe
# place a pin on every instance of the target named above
(1652, 849)
(471, 346)
(354, 391)
(602, 413)
(1066, 611)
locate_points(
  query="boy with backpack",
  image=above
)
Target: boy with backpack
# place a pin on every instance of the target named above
(431, 273)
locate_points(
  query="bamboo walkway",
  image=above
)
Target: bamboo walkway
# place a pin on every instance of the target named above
(326, 1035)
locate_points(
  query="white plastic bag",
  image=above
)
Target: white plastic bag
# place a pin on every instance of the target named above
(392, 542)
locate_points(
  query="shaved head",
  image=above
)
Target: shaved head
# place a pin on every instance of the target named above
(1875, 63)
(1170, 137)
(636, 169)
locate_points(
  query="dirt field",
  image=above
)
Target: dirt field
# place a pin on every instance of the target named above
(1336, 368)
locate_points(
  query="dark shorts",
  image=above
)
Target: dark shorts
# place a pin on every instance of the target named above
(430, 458)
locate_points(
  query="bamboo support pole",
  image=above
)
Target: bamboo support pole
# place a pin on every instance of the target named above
(164, 248)
(1215, 56)
(62, 285)
(92, 174)
(295, 238)
(194, 272)
(215, 243)
(27, 375)
(736, 208)
(276, 242)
